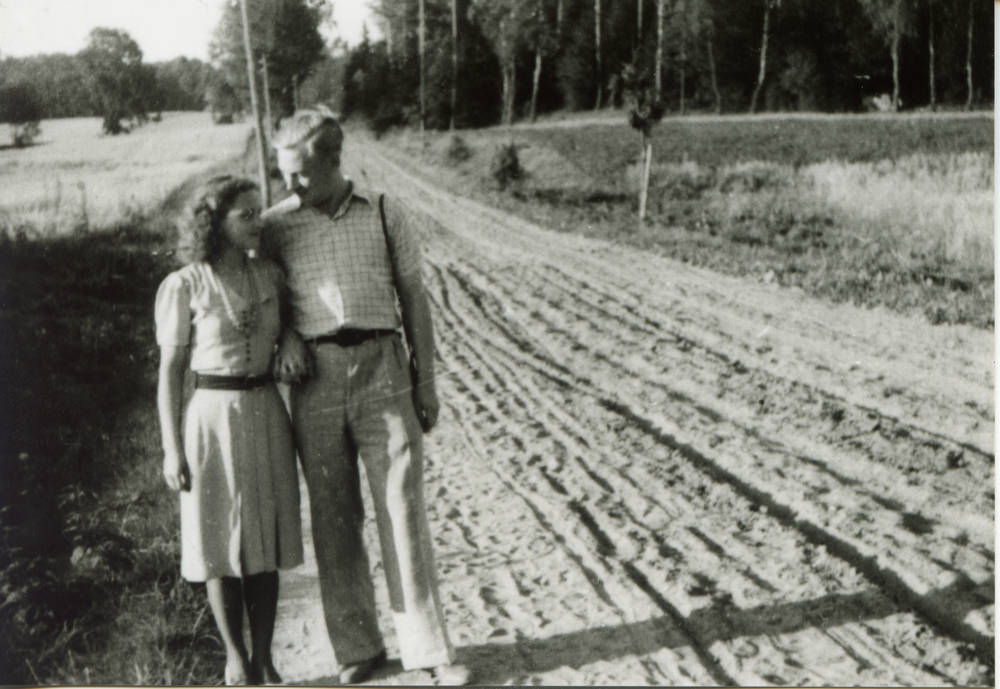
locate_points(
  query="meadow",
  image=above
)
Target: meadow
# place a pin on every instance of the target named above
(89, 561)
(76, 178)
(884, 210)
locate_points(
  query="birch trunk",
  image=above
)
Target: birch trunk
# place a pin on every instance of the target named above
(763, 57)
(660, 12)
(638, 39)
(930, 47)
(683, 65)
(715, 81)
(597, 48)
(454, 64)
(968, 59)
(534, 81)
(420, 40)
(508, 92)
(895, 55)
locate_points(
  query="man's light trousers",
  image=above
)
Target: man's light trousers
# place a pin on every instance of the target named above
(359, 403)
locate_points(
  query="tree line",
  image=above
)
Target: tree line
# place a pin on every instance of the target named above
(466, 63)
(109, 79)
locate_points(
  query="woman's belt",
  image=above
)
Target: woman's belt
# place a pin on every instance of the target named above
(207, 381)
(349, 337)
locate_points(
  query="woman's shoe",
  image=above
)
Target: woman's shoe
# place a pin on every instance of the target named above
(267, 676)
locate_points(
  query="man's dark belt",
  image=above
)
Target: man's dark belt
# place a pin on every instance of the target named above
(209, 382)
(349, 337)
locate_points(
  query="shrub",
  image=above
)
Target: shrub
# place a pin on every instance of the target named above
(21, 107)
(505, 167)
(458, 150)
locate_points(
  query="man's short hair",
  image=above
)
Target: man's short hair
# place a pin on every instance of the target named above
(316, 128)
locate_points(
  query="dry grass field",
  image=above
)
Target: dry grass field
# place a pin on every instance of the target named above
(75, 177)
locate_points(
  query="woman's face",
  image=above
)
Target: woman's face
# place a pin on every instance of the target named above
(241, 226)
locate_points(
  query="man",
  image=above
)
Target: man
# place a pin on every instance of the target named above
(347, 255)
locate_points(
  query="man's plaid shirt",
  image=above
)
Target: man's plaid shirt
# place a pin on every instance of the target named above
(337, 263)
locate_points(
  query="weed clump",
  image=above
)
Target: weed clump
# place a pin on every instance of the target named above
(458, 149)
(505, 167)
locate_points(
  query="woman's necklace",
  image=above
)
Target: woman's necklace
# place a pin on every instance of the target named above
(244, 320)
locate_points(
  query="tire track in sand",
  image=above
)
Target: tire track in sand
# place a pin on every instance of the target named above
(615, 404)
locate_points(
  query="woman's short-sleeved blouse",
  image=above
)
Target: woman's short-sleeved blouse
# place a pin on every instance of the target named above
(190, 311)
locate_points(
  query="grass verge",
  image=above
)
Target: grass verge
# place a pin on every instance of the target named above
(89, 568)
(893, 211)
(89, 574)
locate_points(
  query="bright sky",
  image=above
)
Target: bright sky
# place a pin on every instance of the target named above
(164, 29)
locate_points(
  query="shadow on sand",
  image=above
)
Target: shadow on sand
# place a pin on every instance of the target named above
(501, 663)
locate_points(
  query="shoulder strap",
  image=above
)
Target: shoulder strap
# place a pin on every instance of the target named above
(388, 244)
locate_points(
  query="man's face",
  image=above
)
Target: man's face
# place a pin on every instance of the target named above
(308, 176)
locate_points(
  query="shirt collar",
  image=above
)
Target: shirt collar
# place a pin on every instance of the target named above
(354, 192)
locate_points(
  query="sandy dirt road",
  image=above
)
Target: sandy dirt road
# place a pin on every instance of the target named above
(647, 473)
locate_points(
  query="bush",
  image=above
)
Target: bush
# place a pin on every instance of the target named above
(21, 107)
(505, 167)
(458, 150)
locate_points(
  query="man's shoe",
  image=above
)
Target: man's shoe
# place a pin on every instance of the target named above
(355, 673)
(451, 675)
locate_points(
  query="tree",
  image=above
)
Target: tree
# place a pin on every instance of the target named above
(661, 12)
(285, 31)
(597, 52)
(968, 54)
(891, 20)
(544, 41)
(503, 23)
(645, 110)
(114, 62)
(21, 108)
(454, 64)
(423, 87)
(765, 34)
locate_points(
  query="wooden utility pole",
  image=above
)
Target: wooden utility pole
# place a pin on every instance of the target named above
(454, 63)
(267, 95)
(265, 189)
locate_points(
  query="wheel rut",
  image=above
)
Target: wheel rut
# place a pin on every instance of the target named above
(673, 493)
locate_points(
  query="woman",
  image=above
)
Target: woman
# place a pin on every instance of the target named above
(235, 464)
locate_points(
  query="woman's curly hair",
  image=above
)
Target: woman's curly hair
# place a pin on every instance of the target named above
(198, 230)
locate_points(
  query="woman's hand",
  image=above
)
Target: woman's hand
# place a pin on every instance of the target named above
(292, 361)
(176, 471)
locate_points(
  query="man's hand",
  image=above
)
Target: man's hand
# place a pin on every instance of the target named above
(292, 362)
(425, 402)
(176, 471)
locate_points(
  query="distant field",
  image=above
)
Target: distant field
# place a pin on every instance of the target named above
(76, 177)
(796, 140)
